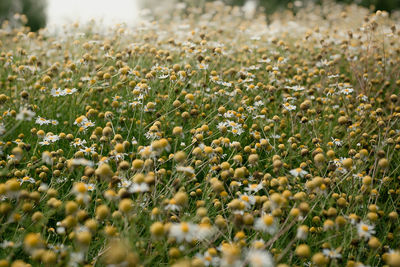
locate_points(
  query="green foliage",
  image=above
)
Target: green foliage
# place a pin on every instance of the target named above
(35, 10)
(6, 8)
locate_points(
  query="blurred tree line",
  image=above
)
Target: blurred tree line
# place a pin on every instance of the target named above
(271, 6)
(35, 11)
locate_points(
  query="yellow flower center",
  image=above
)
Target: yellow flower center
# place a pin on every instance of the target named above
(268, 220)
(245, 198)
(185, 227)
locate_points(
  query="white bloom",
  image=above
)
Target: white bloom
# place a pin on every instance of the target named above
(346, 91)
(125, 183)
(248, 200)
(88, 150)
(254, 187)
(135, 188)
(57, 92)
(296, 88)
(302, 232)
(2, 129)
(208, 259)
(26, 179)
(69, 91)
(7, 244)
(298, 172)
(78, 142)
(289, 107)
(90, 187)
(172, 207)
(46, 158)
(83, 122)
(266, 223)
(44, 143)
(52, 138)
(183, 231)
(337, 142)
(260, 258)
(42, 121)
(259, 103)
(188, 169)
(134, 141)
(60, 230)
(333, 254)
(202, 66)
(25, 114)
(82, 162)
(364, 230)
(204, 231)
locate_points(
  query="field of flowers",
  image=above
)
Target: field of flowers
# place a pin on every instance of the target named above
(203, 139)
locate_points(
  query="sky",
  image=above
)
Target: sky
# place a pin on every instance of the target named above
(110, 12)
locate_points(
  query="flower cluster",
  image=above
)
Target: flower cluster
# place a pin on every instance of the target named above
(202, 138)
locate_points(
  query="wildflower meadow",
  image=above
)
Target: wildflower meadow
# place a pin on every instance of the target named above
(204, 138)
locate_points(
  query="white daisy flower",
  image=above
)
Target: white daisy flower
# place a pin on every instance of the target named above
(267, 223)
(288, 106)
(259, 258)
(254, 187)
(137, 188)
(68, 91)
(248, 200)
(331, 253)
(298, 172)
(183, 231)
(25, 114)
(42, 121)
(57, 92)
(364, 230)
(26, 179)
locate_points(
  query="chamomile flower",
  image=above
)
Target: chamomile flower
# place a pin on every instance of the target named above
(25, 114)
(295, 88)
(88, 150)
(56, 92)
(172, 206)
(331, 253)
(42, 121)
(184, 231)
(336, 142)
(83, 122)
(346, 91)
(259, 258)
(298, 172)
(78, 142)
(68, 91)
(248, 200)
(81, 162)
(204, 231)
(138, 188)
(364, 230)
(267, 223)
(209, 258)
(26, 179)
(288, 106)
(254, 187)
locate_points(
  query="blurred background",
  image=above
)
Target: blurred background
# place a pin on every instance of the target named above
(55, 13)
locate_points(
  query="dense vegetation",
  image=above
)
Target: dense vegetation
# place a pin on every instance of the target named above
(204, 140)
